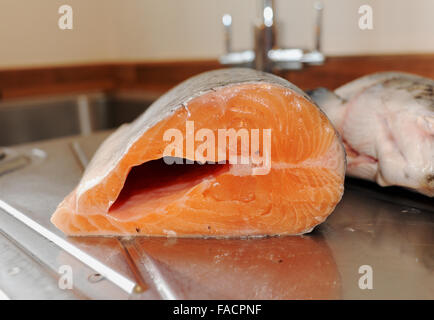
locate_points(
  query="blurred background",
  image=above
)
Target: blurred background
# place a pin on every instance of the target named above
(137, 30)
(121, 55)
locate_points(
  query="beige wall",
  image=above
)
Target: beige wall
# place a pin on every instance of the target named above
(108, 30)
(29, 34)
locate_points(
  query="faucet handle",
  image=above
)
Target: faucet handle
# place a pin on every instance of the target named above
(242, 58)
(227, 23)
(319, 7)
(316, 57)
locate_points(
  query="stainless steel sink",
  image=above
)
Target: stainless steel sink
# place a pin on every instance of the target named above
(35, 119)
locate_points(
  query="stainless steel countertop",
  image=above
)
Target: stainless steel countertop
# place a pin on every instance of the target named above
(390, 230)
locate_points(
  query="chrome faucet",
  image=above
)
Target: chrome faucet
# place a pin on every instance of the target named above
(266, 56)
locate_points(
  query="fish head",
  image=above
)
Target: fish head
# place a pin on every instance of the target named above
(425, 127)
(405, 143)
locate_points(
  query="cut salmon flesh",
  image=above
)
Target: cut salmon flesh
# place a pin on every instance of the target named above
(130, 189)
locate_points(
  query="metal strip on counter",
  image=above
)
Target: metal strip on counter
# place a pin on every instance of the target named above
(3, 295)
(123, 282)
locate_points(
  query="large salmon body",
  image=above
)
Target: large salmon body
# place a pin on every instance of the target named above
(165, 174)
(386, 121)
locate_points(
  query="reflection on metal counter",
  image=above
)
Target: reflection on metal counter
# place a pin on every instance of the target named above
(368, 228)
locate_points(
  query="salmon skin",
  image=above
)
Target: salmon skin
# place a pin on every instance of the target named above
(130, 189)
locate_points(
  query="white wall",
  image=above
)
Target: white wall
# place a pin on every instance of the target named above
(123, 30)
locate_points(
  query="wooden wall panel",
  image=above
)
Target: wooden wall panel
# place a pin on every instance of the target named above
(339, 70)
(54, 80)
(157, 77)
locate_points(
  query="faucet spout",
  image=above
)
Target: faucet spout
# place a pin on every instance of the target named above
(266, 55)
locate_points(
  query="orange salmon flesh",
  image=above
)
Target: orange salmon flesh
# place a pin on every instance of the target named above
(139, 194)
